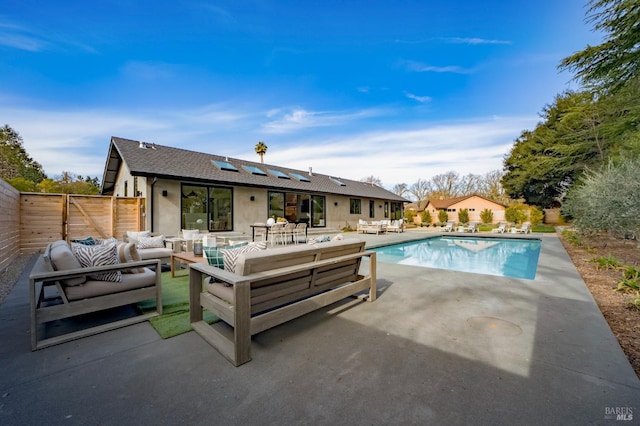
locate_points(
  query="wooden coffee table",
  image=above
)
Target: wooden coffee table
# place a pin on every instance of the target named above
(184, 257)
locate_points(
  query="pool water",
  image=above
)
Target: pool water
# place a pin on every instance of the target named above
(515, 258)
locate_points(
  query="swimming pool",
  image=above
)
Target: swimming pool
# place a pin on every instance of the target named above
(516, 258)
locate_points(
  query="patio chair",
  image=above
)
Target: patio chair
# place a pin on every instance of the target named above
(473, 227)
(260, 231)
(300, 231)
(362, 226)
(288, 233)
(501, 229)
(449, 227)
(525, 228)
(276, 233)
(396, 226)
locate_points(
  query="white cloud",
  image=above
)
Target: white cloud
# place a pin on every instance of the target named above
(397, 156)
(420, 67)
(474, 40)
(18, 37)
(298, 119)
(22, 38)
(421, 99)
(77, 141)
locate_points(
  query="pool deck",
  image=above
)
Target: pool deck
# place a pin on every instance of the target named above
(437, 347)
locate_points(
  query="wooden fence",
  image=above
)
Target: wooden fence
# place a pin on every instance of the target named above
(9, 224)
(30, 221)
(49, 217)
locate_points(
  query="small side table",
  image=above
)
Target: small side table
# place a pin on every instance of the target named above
(176, 243)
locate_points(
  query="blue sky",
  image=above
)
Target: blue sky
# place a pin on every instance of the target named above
(399, 90)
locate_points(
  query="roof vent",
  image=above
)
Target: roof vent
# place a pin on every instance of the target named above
(142, 145)
(310, 171)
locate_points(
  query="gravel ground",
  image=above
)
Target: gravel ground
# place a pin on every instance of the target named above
(9, 277)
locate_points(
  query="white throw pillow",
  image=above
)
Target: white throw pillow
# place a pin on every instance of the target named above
(133, 236)
(151, 242)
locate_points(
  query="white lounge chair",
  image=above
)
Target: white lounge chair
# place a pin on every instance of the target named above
(501, 229)
(396, 226)
(525, 228)
(472, 227)
(449, 227)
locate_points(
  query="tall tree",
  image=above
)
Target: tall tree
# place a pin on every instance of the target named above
(14, 160)
(608, 66)
(420, 190)
(579, 131)
(400, 189)
(261, 150)
(544, 163)
(445, 185)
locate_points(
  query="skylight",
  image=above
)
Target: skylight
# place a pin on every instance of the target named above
(337, 181)
(300, 177)
(254, 170)
(278, 174)
(224, 165)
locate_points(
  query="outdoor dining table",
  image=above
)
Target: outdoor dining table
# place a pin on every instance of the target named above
(266, 228)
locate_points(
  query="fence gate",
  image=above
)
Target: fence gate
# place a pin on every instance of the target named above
(45, 218)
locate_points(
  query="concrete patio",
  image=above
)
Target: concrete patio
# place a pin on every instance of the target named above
(437, 347)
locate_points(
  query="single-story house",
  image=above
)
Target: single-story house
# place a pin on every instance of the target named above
(187, 190)
(473, 203)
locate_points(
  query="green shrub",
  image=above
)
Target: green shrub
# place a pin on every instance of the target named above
(409, 215)
(608, 262)
(630, 279)
(536, 216)
(517, 214)
(573, 238)
(426, 217)
(443, 216)
(486, 216)
(607, 200)
(463, 216)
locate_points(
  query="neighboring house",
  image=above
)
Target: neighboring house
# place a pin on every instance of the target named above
(473, 203)
(186, 190)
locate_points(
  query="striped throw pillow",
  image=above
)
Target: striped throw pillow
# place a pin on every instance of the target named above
(231, 256)
(127, 252)
(214, 254)
(98, 256)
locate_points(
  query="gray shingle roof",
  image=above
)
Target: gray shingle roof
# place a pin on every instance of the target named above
(181, 164)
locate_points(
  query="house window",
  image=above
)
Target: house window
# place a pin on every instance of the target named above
(318, 210)
(207, 208)
(386, 209)
(355, 206)
(126, 188)
(294, 207)
(372, 209)
(276, 205)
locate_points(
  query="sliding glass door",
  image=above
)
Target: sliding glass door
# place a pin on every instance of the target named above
(207, 208)
(297, 207)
